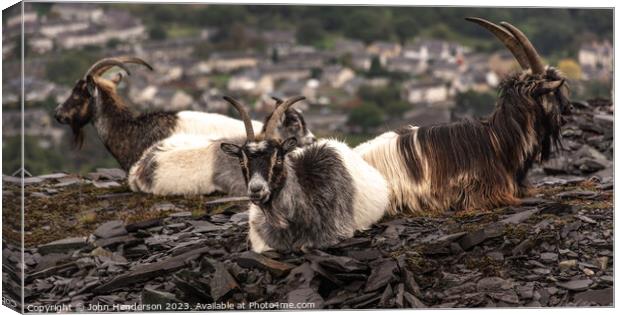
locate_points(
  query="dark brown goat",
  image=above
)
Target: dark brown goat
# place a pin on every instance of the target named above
(477, 164)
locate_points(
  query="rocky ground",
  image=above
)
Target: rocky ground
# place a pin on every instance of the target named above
(90, 242)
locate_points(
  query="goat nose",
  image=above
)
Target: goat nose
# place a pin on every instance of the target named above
(255, 188)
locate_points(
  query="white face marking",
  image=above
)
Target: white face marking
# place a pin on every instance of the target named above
(254, 147)
(257, 179)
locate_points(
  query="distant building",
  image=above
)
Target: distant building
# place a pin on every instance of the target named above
(431, 92)
(596, 60)
(78, 11)
(252, 82)
(229, 61)
(337, 75)
(433, 49)
(406, 65)
(384, 50)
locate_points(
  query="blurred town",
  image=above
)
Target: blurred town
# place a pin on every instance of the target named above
(356, 84)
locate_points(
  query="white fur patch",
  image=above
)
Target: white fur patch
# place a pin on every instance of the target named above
(382, 153)
(215, 126)
(256, 241)
(256, 146)
(371, 197)
(185, 166)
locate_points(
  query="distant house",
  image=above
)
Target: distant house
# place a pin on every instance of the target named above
(406, 65)
(337, 75)
(433, 50)
(40, 44)
(172, 99)
(314, 59)
(213, 102)
(281, 41)
(119, 25)
(78, 11)
(229, 61)
(445, 70)
(361, 60)
(29, 17)
(286, 71)
(596, 54)
(251, 81)
(345, 46)
(476, 80)
(61, 27)
(384, 50)
(596, 60)
(430, 92)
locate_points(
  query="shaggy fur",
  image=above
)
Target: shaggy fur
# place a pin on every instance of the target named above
(473, 164)
(319, 195)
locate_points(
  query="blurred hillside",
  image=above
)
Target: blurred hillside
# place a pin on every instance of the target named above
(363, 69)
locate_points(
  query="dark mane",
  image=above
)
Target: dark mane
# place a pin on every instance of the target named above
(478, 163)
(129, 135)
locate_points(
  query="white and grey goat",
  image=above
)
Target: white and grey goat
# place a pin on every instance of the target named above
(309, 197)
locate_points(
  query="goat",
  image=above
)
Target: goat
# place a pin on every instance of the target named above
(190, 164)
(126, 136)
(475, 164)
(309, 197)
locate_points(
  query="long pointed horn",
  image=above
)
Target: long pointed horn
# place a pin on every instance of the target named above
(104, 64)
(532, 55)
(506, 38)
(278, 100)
(277, 113)
(244, 116)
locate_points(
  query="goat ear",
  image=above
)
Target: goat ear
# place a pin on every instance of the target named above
(547, 87)
(231, 149)
(91, 86)
(289, 145)
(117, 79)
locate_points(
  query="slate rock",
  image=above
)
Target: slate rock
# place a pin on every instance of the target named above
(305, 295)
(477, 237)
(111, 229)
(603, 297)
(575, 285)
(222, 283)
(494, 284)
(64, 245)
(152, 297)
(381, 275)
(251, 259)
(339, 263)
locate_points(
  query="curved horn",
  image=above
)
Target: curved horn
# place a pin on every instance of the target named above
(506, 38)
(135, 60)
(278, 100)
(103, 65)
(277, 113)
(244, 116)
(532, 55)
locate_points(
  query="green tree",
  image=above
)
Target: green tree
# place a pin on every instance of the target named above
(474, 103)
(158, 33)
(310, 32)
(366, 116)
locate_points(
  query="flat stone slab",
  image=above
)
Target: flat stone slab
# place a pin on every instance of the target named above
(64, 245)
(251, 259)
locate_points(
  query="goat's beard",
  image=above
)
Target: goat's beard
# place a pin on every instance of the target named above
(78, 135)
(552, 140)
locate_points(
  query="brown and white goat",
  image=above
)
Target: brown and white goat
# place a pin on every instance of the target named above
(477, 164)
(190, 164)
(126, 135)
